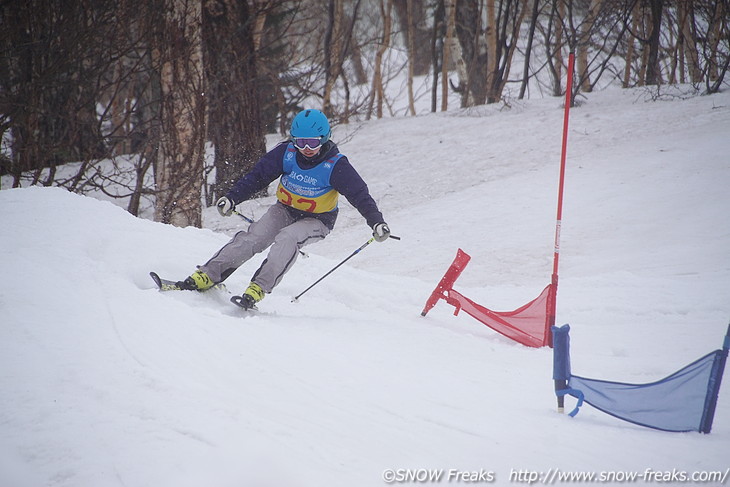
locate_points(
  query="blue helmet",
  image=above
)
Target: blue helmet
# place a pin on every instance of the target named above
(310, 123)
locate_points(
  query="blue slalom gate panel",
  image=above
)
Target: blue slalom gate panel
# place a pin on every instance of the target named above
(682, 401)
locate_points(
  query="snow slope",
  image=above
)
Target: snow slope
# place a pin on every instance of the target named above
(107, 382)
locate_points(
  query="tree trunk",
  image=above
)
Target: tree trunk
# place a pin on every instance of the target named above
(234, 125)
(688, 45)
(718, 25)
(333, 52)
(410, 35)
(503, 35)
(437, 41)
(528, 48)
(412, 21)
(634, 19)
(471, 57)
(377, 93)
(718, 59)
(653, 74)
(456, 45)
(347, 52)
(355, 57)
(559, 40)
(492, 41)
(584, 43)
(450, 51)
(179, 171)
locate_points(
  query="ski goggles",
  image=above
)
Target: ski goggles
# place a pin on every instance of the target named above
(307, 142)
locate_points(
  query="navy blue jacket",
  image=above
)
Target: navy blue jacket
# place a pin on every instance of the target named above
(344, 179)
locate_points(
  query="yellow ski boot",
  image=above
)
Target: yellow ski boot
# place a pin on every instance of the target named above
(252, 295)
(198, 281)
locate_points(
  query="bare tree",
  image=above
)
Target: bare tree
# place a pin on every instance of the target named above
(130, 109)
(411, 16)
(630, 50)
(51, 68)
(528, 49)
(472, 51)
(554, 41)
(507, 23)
(411, 49)
(584, 42)
(653, 72)
(234, 122)
(683, 54)
(679, 41)
(487, 58)
(179, 164)
(717, 50)
(438, 39)
(377, 96)
(597, 33)
(452, 53)
(334, 51)
(83, 80)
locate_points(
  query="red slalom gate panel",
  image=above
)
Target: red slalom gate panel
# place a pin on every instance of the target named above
(452, 273)
(528, 325)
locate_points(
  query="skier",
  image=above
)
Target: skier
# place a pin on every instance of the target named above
(313, 173)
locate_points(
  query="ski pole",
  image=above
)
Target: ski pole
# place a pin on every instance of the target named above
(243, 216)
(372, 239)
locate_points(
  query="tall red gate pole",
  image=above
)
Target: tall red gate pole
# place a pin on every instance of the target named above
(558, 222)
(560, 384)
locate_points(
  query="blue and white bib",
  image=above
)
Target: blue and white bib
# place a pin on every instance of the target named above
(307, 189)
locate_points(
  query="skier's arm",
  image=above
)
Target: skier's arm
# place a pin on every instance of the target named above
(346, 181)
(268, 168)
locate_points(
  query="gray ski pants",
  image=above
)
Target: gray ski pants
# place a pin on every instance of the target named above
(278, 227)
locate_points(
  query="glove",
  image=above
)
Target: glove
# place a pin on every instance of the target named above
(225, 206)
(381, 232)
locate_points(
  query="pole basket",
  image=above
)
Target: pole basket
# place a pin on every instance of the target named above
(528, 325)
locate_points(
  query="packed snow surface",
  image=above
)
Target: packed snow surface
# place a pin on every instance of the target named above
(107, 382)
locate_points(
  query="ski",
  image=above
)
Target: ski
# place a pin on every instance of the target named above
(238, 301)
(167, 285)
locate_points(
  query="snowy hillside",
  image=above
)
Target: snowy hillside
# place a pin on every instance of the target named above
(107, 382)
